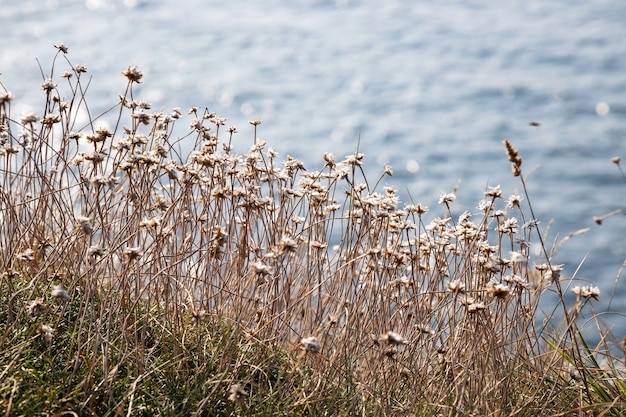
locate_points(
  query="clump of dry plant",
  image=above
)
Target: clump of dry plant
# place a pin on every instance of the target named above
(154, 280)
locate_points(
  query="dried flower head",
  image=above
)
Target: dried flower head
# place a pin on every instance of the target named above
(330, 159)
(197, 316)
(59, 292)
(48, 85)
(456, 286)
(5, 97)
(514, 200)
(476, 306)
(36, 307)
(61, 47)
(498, 290)
(287, 244)
(237, 393)
(586, 292)
(133, 253)
(494, 192)
(133, 74)
(393, 338)
(46, 332)
(262, 269)
(27, 255)
(310, 344)
(447, 198)
(84, 223)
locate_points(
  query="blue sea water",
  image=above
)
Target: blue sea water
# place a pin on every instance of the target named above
(431, 88)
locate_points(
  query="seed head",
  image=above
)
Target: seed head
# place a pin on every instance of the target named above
(48, 85)
(447, 198)
(456, 286)
(393, 338)
(133, 74)
(59, 292)
(46, 332)
(237, 394)
(5, 97)
(499, 290)
(586, 292)
(36, 307)
(133, 253)
(197, 316)
(61, 47)
(310, 344)
(514, 158)
(494, 192)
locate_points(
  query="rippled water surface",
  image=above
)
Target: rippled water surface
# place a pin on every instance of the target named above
(431, 88)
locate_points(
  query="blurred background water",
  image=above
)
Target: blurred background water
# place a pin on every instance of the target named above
(431, 88)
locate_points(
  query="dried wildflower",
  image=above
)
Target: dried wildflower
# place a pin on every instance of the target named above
(50, 119)
(133, 253)
(5, 97)
(315, 244)
(514, 280)
(456, 286)
(416, 209)
(48, 85)
(494, 192)
(498, 290)
(29, 118)
(330, 159)
(514, 200)
(426, 329)
(217, 120)
(141, 117)
(393, 338)
(260, 268)
(485, 205)
(96, 252)
(288, 244)
(354, 159)
(310, 344)
(554, 273)
(387, 170)
(80, 68)
(514, 158)
(46, 332)
(403, 281)
(59, 292)
(237, 394)
(27, 255)
(36, 307)
(518, 258)
(475, 306)
(586, 292)
(509, 226)
(256, 122)
(447, 198)
(197, 316)
(84, 223)
(133, 74)
(176, 114)
(61, 47)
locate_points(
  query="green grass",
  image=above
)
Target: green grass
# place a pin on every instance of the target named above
(138, 279)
